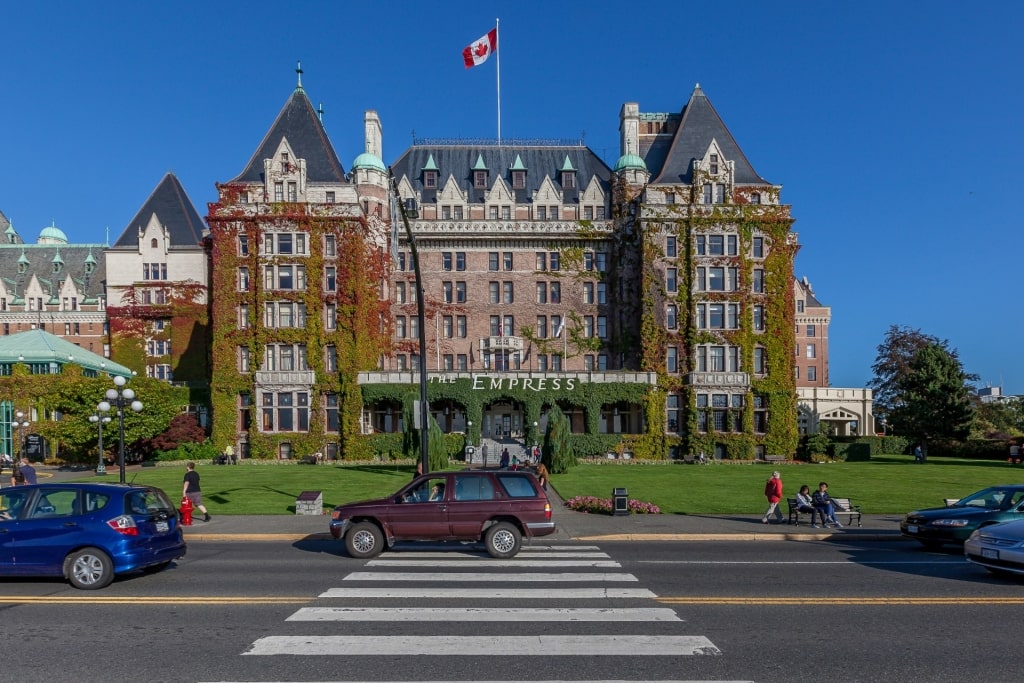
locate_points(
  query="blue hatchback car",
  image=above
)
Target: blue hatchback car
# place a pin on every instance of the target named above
(87, 533)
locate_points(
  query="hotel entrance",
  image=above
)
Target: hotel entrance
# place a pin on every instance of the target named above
(502, 421)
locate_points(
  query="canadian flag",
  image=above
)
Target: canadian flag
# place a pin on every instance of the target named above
(480, 50)
(560, 329)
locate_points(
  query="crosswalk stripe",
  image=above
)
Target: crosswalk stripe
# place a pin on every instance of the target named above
(461, 614)
(455, 555)
(539, 548)
(460, 593)
(503, 577)
(488, 562)
(453, 645)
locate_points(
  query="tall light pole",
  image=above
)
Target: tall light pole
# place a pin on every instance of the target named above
(20, 424)
(406, 213)
(120, 398)
(99, 421)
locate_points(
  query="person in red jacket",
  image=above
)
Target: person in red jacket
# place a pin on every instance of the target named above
(773, 492)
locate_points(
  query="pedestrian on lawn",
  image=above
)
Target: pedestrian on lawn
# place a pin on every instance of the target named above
(773, 492)
(190, 489)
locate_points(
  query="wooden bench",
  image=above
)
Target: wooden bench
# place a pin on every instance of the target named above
(691, 459)
(775, 458)
(840, 506)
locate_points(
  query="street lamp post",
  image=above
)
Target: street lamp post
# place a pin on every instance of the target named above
(407, 213)
(120, 398)
(20, 425)
(101, 468)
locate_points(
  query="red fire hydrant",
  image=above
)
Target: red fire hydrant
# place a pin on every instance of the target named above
(186, 512)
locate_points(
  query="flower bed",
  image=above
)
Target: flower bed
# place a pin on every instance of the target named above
(603, 506)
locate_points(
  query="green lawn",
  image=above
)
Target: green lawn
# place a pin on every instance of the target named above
(885, 484)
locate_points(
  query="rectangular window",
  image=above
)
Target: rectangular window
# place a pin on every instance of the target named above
(759, 318)
(602, 293)
(331, 246)
(400, 292)
(329, 197)
(331, 277)
(448, 291)
(588, 362)
(602, 326)
(462, 362)
(507, 260)
(812, 373)
(279, 191)
(495, 293)
(331, 423)
(542, 260)
(716, 279)
(506, 213)
(447, 326)
(542, 292)
(480, 179)
(458, 213)
(671, 282)
(758, 247)
(758, 280)
(495, 325)
(716, 245)
(542, 362)
(492, 213)
(510, 325)
(555, 289)
(588, 260)
(759, 360)
(449, 362)
(554, 260)
(671, 315)
(243, 245)
(446, 213)
(460, 292)
(588, 326)
(670, 247)
(811, 330)
(716, 358)
(811, 349)
(243, 279)
(507, 293)
(542, 327)
(672, 359)
(460, 326)
(446, 260)
(331, 358)
(731, 243)
(460, 260)
(588, 292)
(492, 260)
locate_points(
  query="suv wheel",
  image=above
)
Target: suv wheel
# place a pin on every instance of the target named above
(89, 569)
(364, 540)
(502, 540)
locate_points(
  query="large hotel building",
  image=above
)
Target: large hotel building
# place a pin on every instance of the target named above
(652, 300)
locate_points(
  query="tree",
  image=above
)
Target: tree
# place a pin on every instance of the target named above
(998, 419)
(933, 398)
(892, 364)
(558, 455)
(184, 428)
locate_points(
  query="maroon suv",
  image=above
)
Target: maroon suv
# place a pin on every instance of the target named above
(497, 507)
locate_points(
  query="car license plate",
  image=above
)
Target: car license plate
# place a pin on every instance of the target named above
(990, 554)
(912, 529)
(162, 526)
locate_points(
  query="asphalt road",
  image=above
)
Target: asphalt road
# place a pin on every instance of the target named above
(694, 611)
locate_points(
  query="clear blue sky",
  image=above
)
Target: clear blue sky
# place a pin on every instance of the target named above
(893, 127)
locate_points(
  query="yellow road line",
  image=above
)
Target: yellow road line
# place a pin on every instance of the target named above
(150, 600)
(838, 601)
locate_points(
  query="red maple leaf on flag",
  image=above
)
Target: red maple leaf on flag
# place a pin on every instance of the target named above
(480, 49)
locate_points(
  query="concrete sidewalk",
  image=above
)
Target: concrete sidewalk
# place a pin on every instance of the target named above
(576, 526)
(570, 525)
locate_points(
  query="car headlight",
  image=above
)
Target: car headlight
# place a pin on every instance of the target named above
(951, 522)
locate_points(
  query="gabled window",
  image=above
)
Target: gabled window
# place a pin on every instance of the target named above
(518, 180)
(480, 180)
(568, 179)
(430, 179)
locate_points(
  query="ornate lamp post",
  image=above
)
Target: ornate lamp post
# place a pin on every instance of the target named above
(120, 398)
(99, 421)
(20, 424)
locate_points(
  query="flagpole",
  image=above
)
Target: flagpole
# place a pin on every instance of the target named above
(497, 42)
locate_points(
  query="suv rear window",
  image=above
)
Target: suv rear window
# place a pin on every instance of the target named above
(517, 486)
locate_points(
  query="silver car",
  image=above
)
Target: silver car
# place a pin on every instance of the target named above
(998, 548)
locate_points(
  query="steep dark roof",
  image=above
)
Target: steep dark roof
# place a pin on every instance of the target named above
(699, 125)
(75, 259)
(539, 161)
(173, 209)
(299, 123)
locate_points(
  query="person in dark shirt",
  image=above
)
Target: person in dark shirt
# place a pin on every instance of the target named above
(191, 490)
(27, 471)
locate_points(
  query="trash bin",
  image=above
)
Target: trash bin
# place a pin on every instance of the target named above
(620, 502)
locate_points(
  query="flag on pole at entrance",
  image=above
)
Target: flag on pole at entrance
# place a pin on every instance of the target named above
(560, 328)
(478, 52)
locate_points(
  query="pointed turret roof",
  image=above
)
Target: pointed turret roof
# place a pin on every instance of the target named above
(299, 124)
(173, 209)
(699, 125)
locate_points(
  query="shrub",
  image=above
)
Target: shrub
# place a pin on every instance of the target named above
(189, 451)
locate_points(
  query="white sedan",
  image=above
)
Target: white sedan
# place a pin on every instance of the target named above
(998, 548)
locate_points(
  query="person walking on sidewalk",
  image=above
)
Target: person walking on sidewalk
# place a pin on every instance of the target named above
(190, 489)
(773, 492)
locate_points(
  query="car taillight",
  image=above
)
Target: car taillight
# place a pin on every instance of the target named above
(547, 510)
(124, 525)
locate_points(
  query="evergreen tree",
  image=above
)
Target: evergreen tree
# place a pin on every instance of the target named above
(934, 398)
(558, 455)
